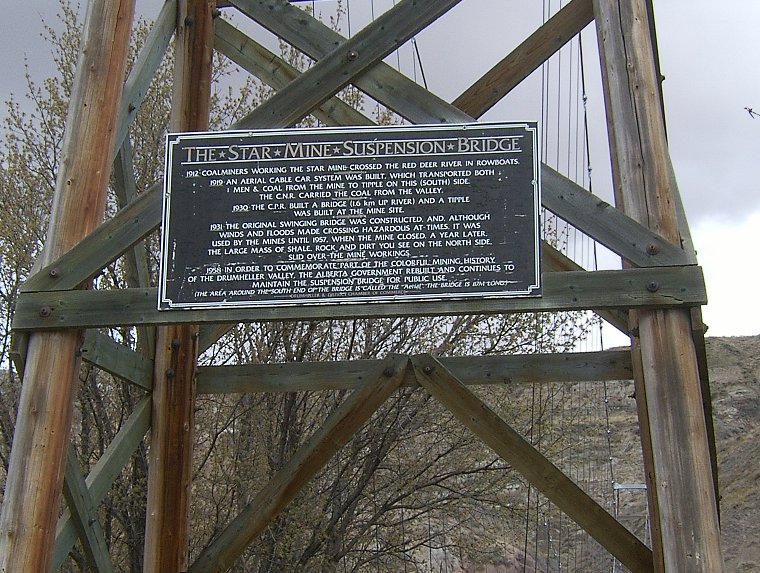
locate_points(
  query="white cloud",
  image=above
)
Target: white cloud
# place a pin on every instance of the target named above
(730, 274)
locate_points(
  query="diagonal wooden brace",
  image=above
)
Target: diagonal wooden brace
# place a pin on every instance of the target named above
(544, 475)
(337, 430)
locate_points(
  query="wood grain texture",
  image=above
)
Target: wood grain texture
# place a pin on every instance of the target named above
(346, 61)
(471, 370)
(167, 527)
(84, 514)
(37, 461)
(646, 190)
(382, 82)
(277, 73)
(104, 473)
(656, 287)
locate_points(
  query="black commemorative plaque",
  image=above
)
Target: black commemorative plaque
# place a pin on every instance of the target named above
(350, 215)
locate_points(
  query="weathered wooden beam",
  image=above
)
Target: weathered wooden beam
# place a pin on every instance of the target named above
(170, 454)
(553, 261)
(167, 523)
(104, 245)
(381, 82)
(655, 287)
(645, 437)
(474, 370)
(545, 476)
(277, 73)
(346, 61)
(136, 271)
(104, 473)
(85, 517)
(107, 354)
(646, 190)
(606, 224)
(144, 68)
(37, 460)
(337, 430)
(526, 58)
(698, 331)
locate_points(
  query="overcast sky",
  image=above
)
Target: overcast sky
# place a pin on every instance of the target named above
(709, 59)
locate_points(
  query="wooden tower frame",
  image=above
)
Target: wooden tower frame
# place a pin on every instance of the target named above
(655, 299)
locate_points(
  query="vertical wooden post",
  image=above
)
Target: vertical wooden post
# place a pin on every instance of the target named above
(37, 463)
(170, 469)
(646, 190)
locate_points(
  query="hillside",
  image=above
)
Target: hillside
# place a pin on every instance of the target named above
(735, 374)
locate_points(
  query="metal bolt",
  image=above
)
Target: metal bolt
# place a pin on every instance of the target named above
(170, 372)
(45, 311)
(175, 343)
(652, 249)
(352, 55)
(388, 372)
(428, 369)
(654, 286)
(53, 273)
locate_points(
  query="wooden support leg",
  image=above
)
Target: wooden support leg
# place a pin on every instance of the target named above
(170, 469)
(37, 462)
(51, 373)
(646, 446)
(682, 462)
(646, 190)
(170, 462)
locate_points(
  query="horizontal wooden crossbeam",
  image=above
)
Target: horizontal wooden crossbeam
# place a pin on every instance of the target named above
(471, 370)
(659, 287)
(117, 359)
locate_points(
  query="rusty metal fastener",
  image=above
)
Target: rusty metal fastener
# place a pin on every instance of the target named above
(427, 369)
(652, 249)
(45, 311)
(175, 343)
(53, 273)
(170, 372)
(352, 55)
(654, 286)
